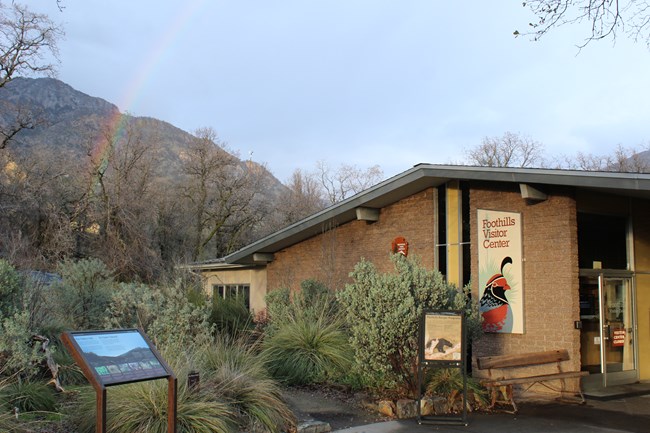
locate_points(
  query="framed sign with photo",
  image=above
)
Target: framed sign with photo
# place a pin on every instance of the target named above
(442, 336)
(120, 356)
(442, 346)
(117, 356)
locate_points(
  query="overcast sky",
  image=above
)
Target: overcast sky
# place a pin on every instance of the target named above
(362, 82)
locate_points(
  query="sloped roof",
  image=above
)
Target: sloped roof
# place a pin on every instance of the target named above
(423, 176)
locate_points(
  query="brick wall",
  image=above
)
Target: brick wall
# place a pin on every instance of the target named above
(550, 286)
(331, 256)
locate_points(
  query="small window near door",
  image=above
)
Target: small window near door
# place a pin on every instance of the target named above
(224, 291)
(602, 241)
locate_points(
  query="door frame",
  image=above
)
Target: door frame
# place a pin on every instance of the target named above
(604, 378)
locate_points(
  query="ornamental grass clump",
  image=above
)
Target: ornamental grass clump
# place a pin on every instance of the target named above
(305, 351)
(142, 408)
(24, 405)
(306, 341)
(237, 374)
(28, 396)
(231, 316)
(448, 382)
(235, 394)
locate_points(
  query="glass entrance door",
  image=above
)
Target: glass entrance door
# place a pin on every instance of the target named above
(608, 346)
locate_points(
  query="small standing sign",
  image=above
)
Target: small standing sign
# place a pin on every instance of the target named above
(119, 356)
(442, 345)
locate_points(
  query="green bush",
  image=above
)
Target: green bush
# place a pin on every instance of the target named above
(19, 353)
(83, 294)
(307, 350)
(10, 288)
(279, 306)
(179, 324)
(27, 312)
(133, 306)
(383, 311)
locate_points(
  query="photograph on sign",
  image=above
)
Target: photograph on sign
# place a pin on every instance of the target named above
(500, 271)
(119, 356)
(443, 336)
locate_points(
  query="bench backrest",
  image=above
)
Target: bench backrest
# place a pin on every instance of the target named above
(522, 359)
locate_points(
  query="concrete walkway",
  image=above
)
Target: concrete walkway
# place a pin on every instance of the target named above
(629, 414)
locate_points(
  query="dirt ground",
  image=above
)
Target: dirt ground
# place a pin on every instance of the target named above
(340, 408)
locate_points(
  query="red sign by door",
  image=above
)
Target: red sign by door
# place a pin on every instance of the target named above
(618, 337)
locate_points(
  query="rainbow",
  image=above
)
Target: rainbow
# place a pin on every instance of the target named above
(117, 123)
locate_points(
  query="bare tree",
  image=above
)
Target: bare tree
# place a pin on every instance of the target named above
(220, 192)
(303, 197)
(40, 194)
(509, 150)
(13, 119)
(346, 181)
(622, 159)
(28, 41)
(125, 210)
(604, 18)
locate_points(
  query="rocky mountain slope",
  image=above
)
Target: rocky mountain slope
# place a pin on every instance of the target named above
(73, 121)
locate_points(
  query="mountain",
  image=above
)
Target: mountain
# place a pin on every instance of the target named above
(70, 120)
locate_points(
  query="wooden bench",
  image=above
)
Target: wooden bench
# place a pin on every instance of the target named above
(502, 385)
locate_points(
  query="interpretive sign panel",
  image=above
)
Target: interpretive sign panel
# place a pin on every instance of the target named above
(442, 336)
(118, 356)
(442, 346)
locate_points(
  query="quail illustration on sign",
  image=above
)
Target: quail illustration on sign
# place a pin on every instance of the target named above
(500, 271)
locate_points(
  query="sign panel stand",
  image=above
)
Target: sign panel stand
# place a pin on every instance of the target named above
(116, 357)
(442, 345)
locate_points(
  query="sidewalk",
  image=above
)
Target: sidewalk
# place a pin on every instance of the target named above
(630, 414)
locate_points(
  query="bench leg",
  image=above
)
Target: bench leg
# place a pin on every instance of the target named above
(506, 396)
(563, 391)
(511, 397)
(493, 394)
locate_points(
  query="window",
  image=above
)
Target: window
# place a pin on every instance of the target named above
(465, 238)
(602, 239)
(223, 291)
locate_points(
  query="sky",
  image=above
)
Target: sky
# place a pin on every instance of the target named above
(357, 82)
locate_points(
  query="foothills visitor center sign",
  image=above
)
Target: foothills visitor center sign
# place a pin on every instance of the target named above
(501, 291)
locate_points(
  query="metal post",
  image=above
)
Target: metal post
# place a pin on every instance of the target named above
(172, 386)
(101, 411)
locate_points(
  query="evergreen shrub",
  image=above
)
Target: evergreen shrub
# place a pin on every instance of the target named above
(83, 294)
(383, 311)
(10, 284)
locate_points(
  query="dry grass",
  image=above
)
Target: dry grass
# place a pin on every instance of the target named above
(235, 394)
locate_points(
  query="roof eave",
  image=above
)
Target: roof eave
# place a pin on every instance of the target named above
(423, 176)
